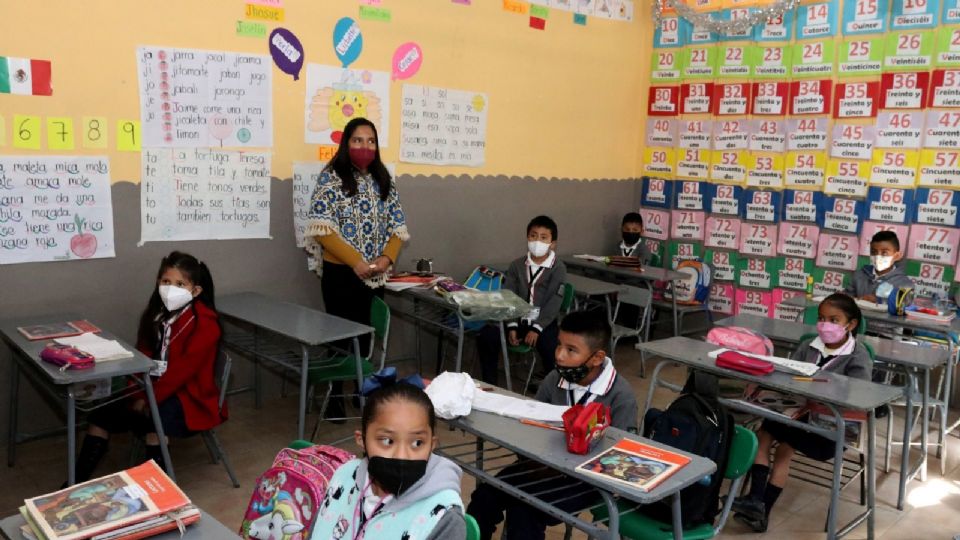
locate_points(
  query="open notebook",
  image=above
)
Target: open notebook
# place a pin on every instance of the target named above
(101, 349)
(785, 365)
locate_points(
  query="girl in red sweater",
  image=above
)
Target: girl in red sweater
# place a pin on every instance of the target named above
(180, 330)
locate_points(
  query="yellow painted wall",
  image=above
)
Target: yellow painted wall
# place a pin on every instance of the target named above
(566, 102)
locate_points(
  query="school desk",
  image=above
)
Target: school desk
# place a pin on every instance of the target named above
(500, 440)
(207, 528)
(25, 359)
(840, 393)
(910, 357)
(595, 290)
(275, 331)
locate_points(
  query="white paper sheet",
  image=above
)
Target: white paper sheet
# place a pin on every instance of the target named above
(518, 408)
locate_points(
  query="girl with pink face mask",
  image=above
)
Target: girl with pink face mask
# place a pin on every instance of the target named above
(835, 349)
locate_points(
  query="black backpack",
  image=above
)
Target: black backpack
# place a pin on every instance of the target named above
(697, 423)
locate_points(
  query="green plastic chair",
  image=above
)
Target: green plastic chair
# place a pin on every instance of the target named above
(343, 367)
(473, 530)
(299, 444)
(565, 304)
(743, 450)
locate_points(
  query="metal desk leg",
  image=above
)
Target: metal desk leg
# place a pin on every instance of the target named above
(926, 428)
(359, 361)
(837, 470)
(506, 356)
(72, 437)
(673, 302)
(304, 375)
(907, 437)
(158, 425)
(947, 390)
(675, 514)
(416, 318)
(871, 472)
(12, 421)
(257, 384)
(460, 338)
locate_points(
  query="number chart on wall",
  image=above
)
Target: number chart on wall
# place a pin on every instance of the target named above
(835, 120)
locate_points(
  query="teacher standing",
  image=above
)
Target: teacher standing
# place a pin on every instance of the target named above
(356, 227)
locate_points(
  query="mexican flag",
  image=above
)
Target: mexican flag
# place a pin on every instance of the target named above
(25, 76)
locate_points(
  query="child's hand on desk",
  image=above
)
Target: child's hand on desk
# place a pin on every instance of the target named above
(363, 269)
(531, 338)
(512, 338)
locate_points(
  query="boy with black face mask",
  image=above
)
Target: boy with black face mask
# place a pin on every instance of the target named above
(583, 374)
(631, 234)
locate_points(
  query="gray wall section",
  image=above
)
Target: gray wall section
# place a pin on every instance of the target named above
(457, 221)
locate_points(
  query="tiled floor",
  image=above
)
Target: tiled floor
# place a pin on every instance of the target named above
(253, 436)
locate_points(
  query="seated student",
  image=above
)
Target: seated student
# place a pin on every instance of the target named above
(179, 328)
(834, 349)
(583, 374)
(537, 278)
(874, 282)
(631, 234)
(399, 489)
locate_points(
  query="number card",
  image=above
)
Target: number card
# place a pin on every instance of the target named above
(723, 264)
(795, 272)
(827, 281)
(736, 14)
(668, 33)
(770, 98)
(908, 51)
(662, 132)
(860, 57)
(945, 91)
(723, 199)
(864, 16)
(914, 14)
(951, 11)
(696, 35)
(656, 248)
(729, 166)
(761, 205)
(721, 298)
(939, 169)
(846, 177)
(731, 134)
(768, 135)
(817, 20)
(691, 195)
(798, 240)
(947, 47)
(804, 170)
(852, 141)
(889, 204)
(656, 223)
(775, 28)
(693, 164)
(94, 132)
(904, 90)
(731, 99)
(696, 134)
(837, 250)
(765, 171)
(930, 279)
(856, 100)
(810, 97)
(128, 135)
(687, 225)
(60, 133)
(813, 59)
(659, 161)
(758, 239)
(807, 133)
(696, 98)
(759, 303)
(699, 62)
(722, 232)
(737, 60)
(663, 101)
(665, 65)
(679, 250)
(773, 61)
(26, 132)
(657, 193)
(942, 129)
(783, 311)
(758, 273)
(937, 206)
(844, 215)
(871, 228)
(899, 130)
(802, 206)
(932, 243)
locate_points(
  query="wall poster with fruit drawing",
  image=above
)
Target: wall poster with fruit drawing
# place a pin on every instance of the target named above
(337, 95)
(55, 208)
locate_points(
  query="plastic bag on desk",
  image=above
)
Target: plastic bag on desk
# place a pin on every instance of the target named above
(491, 306)
(451, 394)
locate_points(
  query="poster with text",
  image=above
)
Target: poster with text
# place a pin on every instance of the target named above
(440, 126)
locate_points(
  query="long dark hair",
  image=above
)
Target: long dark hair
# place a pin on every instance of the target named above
(848, 306)
(400, 391)
(345, 169)
(151, 320)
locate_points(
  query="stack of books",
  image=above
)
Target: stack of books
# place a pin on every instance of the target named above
(937, 317)
(137, 503)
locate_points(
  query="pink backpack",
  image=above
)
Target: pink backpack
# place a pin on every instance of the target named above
(740, 339)
(287, 496)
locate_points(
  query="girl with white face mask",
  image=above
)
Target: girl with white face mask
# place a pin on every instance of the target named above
(180, 330)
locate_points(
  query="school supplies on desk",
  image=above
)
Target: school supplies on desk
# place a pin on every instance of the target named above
(101, 349)
(584, 425)
(66, 357)
(513, 407)
(635, 464)
(871, 306)
(55, 330)
(784, 365)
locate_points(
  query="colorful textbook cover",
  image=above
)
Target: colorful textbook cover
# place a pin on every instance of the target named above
(56, 330)
(635, 464)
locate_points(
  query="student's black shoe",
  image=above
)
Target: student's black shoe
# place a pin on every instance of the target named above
(756, 525)
(335, 412)
(750, 507)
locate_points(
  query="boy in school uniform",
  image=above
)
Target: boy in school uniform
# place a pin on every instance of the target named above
(584, 374)
(631, 238)
(537, 278)
(874, 282)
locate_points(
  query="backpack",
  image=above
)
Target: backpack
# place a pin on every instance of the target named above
(740, 339)
(695, 288)
(288, 495)
(484, 279)
(695, 422)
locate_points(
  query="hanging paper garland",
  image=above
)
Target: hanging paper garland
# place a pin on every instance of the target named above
(731, 26)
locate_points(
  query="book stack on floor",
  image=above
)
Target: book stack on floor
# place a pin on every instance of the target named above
(137, 503)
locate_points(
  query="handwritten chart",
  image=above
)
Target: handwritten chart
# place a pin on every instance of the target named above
(55, 208)
(443, 127)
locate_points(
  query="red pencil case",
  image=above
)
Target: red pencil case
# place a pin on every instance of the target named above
(746, 364)
(585, 425)
(66, 357)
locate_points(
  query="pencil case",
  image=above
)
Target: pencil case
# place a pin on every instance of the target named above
(743, 363)
(584, 425)
(66, 357)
